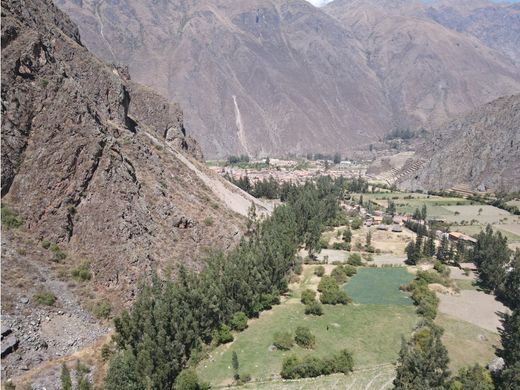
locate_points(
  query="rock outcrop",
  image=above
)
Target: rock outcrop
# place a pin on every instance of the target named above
(93, 161)
(480, 150)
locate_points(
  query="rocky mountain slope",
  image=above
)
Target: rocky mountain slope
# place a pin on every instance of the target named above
(480, 150)
(429, 72)
(97, 171)
(278, 76)
(497, 25)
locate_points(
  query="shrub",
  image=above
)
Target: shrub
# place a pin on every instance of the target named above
(356, 223)
(355, 259)
(106, 352)
(308, 296)
(188, 380)
(102, 309)
(10, 219)
(324, 243)
(298, 269)
(222, 335)
(82, 272)
(310, 366)
(239, 321)
(283, 340)
(46, 298)
(343, 362)
(59, 255)
(208, 221)
(341, 246)
(46, 244)
(339, 275)
(319, 271)
(304, 338)
(314, 308)
(327, 283)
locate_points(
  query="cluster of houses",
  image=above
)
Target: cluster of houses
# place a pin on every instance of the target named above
(394, 223)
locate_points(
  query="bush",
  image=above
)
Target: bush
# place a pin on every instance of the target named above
(283, 340)
(82, 272)
(298, 269)
(308, 296)
(102, 309)
(46, 298)
(309, 366)
(339, 275)
(222, 335)
(59, 255)
(46, 244)
(239, 321)
(304, 338)
(314, 308)
(208, 221)
(10, 219)
(356, 223)
(345, 246)
(319, 271)
(188, 380)
(324, 243)
(106, 352)
(327, 283)
(355, 259)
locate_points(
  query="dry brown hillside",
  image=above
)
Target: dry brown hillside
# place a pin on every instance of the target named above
(479, 151)
(279, 76)
(100, 172)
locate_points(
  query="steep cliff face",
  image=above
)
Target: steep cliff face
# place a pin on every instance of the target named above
(100, 166)
(480, 150)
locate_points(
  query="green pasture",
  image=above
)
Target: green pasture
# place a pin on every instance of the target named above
(371, 332)
(379, 286)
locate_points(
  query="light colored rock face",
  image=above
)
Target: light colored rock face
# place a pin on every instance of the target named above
(95, 162)
(480, 150)
(278, 76)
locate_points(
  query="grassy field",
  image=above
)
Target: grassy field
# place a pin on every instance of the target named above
(473, 230)
(378, 378)
(379, 286)
(467, 344)
(372, 332)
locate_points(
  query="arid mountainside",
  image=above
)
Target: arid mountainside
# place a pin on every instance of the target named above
(101, 174)
(279, 76)
(428, 72)
(480, 150)
(253, 77)
(497, 25)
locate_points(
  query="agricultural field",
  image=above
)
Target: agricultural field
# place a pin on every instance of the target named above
(379, 286)
(372, 332)
(467, 343)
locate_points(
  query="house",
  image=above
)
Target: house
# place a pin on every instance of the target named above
(397, 228)
(397, 219)
(378, 219)
(382, 227)
(458, 236)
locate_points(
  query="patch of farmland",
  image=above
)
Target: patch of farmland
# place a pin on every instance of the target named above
(467, 343)
(379, 286)
(375, 378)
(475, 307)
(484, 214)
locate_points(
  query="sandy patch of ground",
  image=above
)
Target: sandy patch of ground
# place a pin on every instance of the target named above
(457, 273)
(389, 260)
(475, 307)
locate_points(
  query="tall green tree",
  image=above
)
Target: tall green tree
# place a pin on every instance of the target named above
(491, 256)
(443, 251)
(423, 361)
(235, 364)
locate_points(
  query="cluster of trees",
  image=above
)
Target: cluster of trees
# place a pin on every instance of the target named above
(311, 366)
(172, 322)
(400, 134)
(231, 160)
(336, 157)
(423, 360)
(265, 188)
(331, 293)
